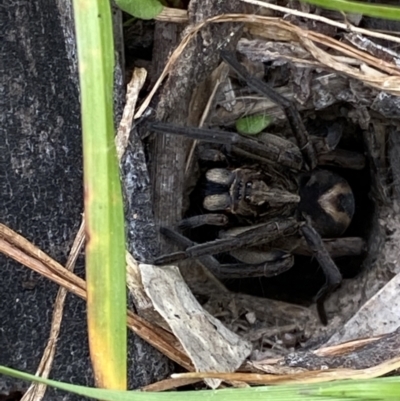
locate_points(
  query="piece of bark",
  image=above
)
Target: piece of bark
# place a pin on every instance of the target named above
(378, 316)
(166, 39)
(209, 344)
(199, 59)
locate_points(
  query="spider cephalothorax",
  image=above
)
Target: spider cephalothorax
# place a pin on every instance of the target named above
(281, 202)
(245, 192)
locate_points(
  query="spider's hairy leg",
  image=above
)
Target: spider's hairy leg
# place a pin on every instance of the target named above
(208, 261)
(342, 158)
(337, 247)
(267, 232)
(272, 150)
(329, 155)
(331, 271)
(291, 112)
(277, 262)
(211, 219)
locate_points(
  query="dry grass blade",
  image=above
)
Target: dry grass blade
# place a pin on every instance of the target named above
(172, 15)
(180, 16)
(216, 78)
(285, 31)
(345, 26)
(369, 76)
(386, 82)
(36, 391)
(132, 93)
(159, 339)
(333, 350)
(20, 249)
(302, 377)
(169, 384)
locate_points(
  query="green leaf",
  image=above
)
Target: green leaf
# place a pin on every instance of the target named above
(372, 10)
(253, 125)
(143, 9)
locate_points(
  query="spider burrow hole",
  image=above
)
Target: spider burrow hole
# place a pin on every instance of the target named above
(300, 283)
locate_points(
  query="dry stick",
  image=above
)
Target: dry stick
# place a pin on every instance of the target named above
(60, 276)
(351, 51)
(354, 53)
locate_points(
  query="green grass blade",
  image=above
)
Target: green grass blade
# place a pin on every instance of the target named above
(381, 389)
(371, 10)
(143, 9)
(105, 238)
(367, 389)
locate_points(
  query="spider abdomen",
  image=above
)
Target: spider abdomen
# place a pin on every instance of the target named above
(327, 199)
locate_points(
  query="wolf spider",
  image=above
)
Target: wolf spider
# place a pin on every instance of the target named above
(279, 200)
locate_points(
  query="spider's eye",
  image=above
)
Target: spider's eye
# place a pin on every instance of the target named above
(249, 185)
